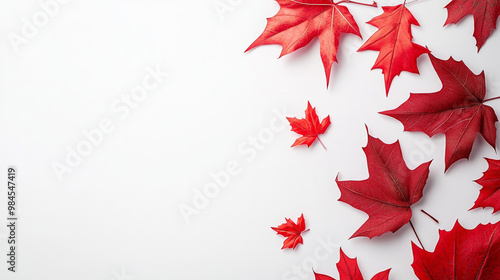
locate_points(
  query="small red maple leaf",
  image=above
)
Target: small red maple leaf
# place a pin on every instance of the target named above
(292, 231)
(349, 270)
(394, 42)
(485, 13)
(310, 127)
(457, 110)
(461, 254)
(490, 193)
(298, 22)
(387, 195)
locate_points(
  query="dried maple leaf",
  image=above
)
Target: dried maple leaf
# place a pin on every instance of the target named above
(310, 127)
(387, 195)
(292, 231)
(485, 13)
(349, 270)
(457, 110)
(394, 42)
(298, 22)
(490, 193)
(461, 254)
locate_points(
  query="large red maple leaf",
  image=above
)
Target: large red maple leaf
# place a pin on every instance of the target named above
(349, 270)
(310, 127)
(490, 193)
(461, 254)
(485, 13)
(292, 231)
(387, 195)
(298, 22)
(457, 110)
(394, 42)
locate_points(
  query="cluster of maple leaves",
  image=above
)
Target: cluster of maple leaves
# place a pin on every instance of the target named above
(298, 22)
(458, 110)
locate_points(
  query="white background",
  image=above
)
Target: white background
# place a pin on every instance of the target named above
(117, 213)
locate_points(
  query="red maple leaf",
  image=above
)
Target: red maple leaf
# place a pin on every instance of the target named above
(298, 22)
(292, 231)
(461, 254)
(457, 110)
(387, 195)
(310, 127)
(485, 13)
(394, 42)
(490, 193)
(349, 270)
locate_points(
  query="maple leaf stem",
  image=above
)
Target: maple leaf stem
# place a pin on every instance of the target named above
(434, 219)
(418, 238)
(374, 4)
(321, 143)
(491, 99)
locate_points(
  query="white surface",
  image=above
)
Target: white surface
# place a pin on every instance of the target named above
(117, 213)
